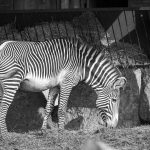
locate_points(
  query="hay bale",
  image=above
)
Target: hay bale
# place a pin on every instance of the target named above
(86, 26)
(46, 30)
(29, 33)
(89, 28)
(62, 29)
(17, 36)
(9, 32)
(4, 30)
(35, 33)
(125, 54)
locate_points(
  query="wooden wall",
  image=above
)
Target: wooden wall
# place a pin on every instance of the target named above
(42, 4)
(6, 4)
(35, 4)
(139, 3)
(57, 4)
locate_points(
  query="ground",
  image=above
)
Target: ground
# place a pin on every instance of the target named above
(137, 138)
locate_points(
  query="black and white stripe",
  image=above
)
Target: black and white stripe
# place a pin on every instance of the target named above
(45, 60)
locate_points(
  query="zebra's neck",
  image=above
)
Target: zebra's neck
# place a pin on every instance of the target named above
(97, 70)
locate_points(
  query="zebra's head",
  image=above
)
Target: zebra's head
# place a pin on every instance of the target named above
(108, 102)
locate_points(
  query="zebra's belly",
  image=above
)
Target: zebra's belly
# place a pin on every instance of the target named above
(36, 84)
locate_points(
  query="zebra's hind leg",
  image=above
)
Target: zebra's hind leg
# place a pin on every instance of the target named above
(51, 123)
(50, 96)
(10, 87)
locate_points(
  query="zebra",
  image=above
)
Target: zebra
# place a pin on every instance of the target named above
(63, 62)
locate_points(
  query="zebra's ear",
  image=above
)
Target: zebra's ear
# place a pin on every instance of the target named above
(120, 83)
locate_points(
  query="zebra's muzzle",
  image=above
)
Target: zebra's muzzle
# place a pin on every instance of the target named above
(112, 123)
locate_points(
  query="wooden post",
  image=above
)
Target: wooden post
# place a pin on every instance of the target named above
(64, 4)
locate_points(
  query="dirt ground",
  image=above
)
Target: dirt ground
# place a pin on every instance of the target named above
(136, 138)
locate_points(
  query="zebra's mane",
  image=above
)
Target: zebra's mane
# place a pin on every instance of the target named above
(97, 52)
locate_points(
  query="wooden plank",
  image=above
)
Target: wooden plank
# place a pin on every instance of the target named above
(6, 4)
(34, 4)
(139, 3)
(122, 30)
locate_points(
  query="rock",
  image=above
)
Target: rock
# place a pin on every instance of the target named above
(78, 118)
(89, 28)
(129, 103)
(144, 108)
(23, 114)
(85, 119)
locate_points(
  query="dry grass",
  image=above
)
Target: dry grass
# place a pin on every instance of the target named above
(123, 139)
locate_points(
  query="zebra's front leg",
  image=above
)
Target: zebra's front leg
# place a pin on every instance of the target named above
(65, 90)
(50, 96)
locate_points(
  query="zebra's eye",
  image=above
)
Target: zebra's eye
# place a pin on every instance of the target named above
(114, 100)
